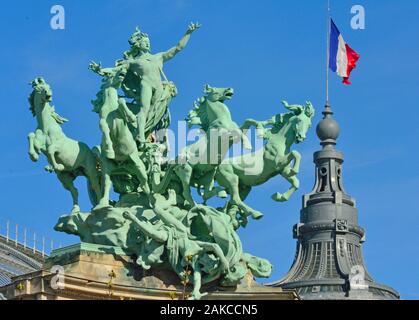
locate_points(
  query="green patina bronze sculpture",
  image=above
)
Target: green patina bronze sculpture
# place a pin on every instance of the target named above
(157, 219)
(67, 158)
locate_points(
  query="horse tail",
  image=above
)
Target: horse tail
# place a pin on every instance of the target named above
(198, 115)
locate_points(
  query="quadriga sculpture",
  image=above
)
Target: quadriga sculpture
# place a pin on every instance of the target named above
(156, 221)
(67, 158)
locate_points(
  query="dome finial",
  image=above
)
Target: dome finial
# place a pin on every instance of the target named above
(328, 129)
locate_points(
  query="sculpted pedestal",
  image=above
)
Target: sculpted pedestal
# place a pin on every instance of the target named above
(91, 272)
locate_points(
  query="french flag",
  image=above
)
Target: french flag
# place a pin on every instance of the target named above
(342, 58)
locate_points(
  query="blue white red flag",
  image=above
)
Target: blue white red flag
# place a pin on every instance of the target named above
(342, 58)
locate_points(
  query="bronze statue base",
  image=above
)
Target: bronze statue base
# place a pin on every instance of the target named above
(91, 272)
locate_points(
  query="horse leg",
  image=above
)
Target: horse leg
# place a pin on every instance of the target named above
(232, 210)
(51, 150)
(244, 192)
(184, 172)
(245, 140)
(106, 139)
(295, 184)
(296, 156)
(39, 142)
(208, 182)
(106, 183)
(237, 217)
(228, 179)
(32, 153)
(141, 172)
(209, 189)
(215, 191)
(67, 180)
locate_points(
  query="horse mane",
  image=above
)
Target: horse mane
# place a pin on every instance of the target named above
(31, 100)
(198, 115)
(106, 83)
(59, 119)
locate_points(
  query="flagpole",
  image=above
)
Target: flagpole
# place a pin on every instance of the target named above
(328, 52)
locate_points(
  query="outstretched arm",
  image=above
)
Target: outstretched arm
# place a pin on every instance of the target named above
(182, 43)
(146, 227)
(97, 68)
(163, 213)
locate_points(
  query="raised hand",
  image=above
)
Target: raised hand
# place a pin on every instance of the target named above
(193, 27)
(95, 67)
(285, 103)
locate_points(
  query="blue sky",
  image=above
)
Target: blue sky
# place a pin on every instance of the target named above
(267, 51)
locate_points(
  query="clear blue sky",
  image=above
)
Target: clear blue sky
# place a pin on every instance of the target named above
(267, 51)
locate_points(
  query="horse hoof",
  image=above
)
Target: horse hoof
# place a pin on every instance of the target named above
(75, 210)
(257, 215)
(222, 194)
(247, 145)
(278, 197)
(59, 167)
(49, 169)
(34, 157)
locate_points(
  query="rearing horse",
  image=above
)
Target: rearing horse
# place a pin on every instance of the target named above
(115, 118)
(239, 174)
(197, 163)
(67, 158)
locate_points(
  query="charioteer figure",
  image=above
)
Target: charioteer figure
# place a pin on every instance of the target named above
(144, 84)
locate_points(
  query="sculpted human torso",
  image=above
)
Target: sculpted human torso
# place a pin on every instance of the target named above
(147, 68)
(147, 71)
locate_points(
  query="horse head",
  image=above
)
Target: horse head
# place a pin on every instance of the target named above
(41, 94)
(113, 77)
(200, 115)
(218, 94)
(302, 122)
(40, 97)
